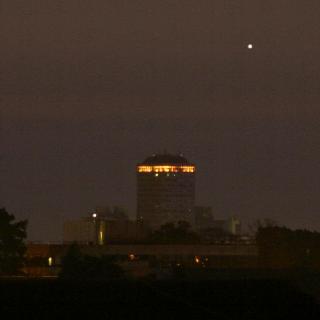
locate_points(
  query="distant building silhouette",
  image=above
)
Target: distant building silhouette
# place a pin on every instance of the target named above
(165, 190)
(104, 225)
(203, 217)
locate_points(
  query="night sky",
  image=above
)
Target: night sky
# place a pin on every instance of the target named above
(90, 88)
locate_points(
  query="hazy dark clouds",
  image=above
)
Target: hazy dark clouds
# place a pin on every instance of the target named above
(90, 88)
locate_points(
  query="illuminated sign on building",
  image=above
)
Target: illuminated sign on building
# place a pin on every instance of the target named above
(166, 168)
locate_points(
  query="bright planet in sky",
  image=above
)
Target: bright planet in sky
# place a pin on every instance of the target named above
(250, 46)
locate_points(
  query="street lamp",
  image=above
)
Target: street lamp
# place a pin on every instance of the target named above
(94, 216)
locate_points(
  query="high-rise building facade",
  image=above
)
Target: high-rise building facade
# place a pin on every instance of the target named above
(165, 190)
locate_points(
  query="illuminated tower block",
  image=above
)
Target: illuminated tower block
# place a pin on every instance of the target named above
(165, 190)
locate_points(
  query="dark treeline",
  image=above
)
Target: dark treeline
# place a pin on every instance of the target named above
(76, 265)
(12, 246)
(280, 247)
(174, 233)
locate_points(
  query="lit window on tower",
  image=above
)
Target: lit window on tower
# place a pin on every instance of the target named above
(166, 168)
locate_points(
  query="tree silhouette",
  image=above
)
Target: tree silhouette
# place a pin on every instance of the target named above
(76, 266)
(12, 246)
(282, 247)
(171, 233)
(264, 223)
(72, 263)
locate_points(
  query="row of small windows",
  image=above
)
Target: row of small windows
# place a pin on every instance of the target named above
(165, 175)
(165, 189)
(173, 184)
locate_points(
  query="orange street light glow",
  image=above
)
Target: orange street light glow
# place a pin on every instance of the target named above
(166, 168)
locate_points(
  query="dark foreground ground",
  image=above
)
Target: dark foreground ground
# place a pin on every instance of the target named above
(214, 299)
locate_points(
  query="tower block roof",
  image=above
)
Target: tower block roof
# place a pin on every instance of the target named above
(166, 163)
(162, 159)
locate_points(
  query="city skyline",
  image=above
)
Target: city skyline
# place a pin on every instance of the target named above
(88, 90)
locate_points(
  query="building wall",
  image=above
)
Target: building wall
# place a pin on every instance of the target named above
(234, 226)
(57, 251)
(137, 259)
(173, 250)
(101, 231)
(81, 231)
(165, 197)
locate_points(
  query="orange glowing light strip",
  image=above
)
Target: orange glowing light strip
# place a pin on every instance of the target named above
(166, 168)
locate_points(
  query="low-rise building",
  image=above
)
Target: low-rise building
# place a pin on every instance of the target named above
(100, 229)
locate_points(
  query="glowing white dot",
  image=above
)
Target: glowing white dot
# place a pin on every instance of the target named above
(250, 46)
